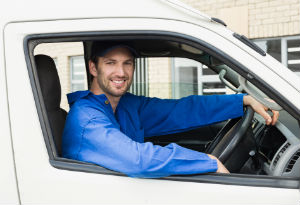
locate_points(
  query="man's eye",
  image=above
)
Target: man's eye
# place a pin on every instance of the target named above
(110, 62)
(129, 63)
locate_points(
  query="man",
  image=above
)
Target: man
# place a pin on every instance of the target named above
(107, 126)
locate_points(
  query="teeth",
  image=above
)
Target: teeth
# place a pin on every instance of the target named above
(118, 81)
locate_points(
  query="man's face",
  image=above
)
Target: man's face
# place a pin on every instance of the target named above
(115, 72)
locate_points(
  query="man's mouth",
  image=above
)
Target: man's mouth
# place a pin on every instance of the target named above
(118, 81)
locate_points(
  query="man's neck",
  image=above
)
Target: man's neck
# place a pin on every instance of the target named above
(114, 101)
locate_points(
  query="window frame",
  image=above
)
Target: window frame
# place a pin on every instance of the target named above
(62, 163)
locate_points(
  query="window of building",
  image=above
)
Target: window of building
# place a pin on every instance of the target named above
(139, 84)
(190, 77)
(286, 50)
(293, 55)
(78, 73)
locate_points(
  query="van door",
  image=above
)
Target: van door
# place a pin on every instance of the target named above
(8, 182)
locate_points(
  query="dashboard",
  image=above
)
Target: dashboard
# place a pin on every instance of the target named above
(278, 146)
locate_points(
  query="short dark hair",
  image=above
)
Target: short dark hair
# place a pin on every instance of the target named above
(94, 59)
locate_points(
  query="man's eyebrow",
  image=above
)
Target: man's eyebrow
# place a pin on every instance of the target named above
(114, 60)
(130, 59)
(109, 59)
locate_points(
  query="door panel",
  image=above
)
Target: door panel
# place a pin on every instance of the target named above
(39, 182)
(8, 184)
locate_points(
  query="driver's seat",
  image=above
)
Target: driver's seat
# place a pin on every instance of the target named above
(51, 91)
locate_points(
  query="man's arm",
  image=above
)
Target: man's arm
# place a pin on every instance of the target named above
(99, 141)
(165, 116)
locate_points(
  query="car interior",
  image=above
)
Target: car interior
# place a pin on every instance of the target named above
(245, 145)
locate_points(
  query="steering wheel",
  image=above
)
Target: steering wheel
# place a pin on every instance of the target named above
(230, 136)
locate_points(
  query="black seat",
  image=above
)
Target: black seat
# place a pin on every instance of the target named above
(51, 91)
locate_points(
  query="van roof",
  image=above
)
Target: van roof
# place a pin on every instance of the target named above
(36, 10)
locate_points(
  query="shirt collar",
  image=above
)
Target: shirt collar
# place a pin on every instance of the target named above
(75, 96)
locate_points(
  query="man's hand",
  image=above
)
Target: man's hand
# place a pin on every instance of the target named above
(261, 109)
(221, 167)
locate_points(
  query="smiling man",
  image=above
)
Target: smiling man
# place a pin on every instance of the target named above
(106, 125)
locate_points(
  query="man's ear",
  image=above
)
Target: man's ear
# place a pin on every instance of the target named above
(92, 68)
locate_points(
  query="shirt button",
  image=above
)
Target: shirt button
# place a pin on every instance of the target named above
(106, 102)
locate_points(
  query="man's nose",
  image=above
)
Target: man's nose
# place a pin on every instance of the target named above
(120, 69)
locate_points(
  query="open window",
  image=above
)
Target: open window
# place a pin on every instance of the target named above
(174, 66)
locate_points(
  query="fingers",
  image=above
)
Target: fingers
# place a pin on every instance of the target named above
(262, 110)
(275, 117)
(275, 114)
(270, 120)
(265, 115)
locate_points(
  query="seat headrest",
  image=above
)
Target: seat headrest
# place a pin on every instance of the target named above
(49, 81)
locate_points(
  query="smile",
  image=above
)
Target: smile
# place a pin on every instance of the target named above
(118, 81)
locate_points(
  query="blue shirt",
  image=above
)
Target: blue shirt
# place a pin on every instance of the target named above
(93, 133)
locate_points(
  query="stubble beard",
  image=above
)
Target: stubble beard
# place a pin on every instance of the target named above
(104, 85)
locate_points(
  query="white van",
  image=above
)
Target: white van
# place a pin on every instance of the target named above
(266, 169)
